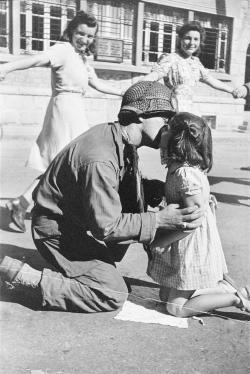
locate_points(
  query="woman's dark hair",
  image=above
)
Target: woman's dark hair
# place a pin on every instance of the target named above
(190, 141)
(80, 18)
(192, 26)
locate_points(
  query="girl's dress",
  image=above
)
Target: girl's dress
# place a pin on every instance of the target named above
(197, 261)
(182, 75)
(65, 117)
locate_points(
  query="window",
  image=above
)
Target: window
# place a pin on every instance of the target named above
(116, 21)
(22, 25)
(215, 53)
(247, 77)
(159, 31)
(55, 23)
(3, 24)
(37, 27)
(153, 41)
(70, 14)
(43, 21)
(159, 35)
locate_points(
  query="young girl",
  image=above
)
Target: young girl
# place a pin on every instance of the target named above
(191, 268)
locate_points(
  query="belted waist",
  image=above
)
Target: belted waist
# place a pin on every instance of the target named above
(56, 93)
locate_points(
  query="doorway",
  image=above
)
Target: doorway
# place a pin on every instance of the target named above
(247, 77)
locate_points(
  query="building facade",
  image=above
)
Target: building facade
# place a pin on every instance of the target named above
(132, 35)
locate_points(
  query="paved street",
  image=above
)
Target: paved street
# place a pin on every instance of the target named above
(36, 341)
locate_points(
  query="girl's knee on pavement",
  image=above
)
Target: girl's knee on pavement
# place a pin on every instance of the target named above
(176, 302)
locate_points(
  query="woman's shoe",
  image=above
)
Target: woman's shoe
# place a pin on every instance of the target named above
(17, 208)
(242, 293)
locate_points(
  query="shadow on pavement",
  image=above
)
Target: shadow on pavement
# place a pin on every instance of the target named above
(240, 316)
(226, 198)
(29, 298)
(30, 256)
(246, 168)
(141, 283)
(231, 199)
(214, 180)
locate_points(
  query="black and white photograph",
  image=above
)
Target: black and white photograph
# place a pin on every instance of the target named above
(125, 186)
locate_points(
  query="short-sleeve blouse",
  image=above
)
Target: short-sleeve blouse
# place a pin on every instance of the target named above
(184, 180)
(176, 70)
(70, 70)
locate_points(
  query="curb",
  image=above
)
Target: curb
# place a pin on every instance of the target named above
(217, 134)
(29, 132)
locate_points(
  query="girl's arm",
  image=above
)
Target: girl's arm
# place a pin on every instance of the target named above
(153, 76)
(242, 91)
(217, 84)
(40, 59)
(102, 86)
(194, 200)
(165, 238)
(160, 70)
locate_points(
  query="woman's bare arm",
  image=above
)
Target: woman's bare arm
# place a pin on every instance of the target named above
(104, 87)
(40, 59)
(217, 84)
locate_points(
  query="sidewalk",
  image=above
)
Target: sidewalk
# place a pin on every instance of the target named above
(27, 132)
(33, 340)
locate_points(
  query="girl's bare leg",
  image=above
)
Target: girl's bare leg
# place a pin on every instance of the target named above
(223, 287)
(184, 304)
(165, 238)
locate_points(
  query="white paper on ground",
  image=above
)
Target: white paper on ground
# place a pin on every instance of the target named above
(138, 313)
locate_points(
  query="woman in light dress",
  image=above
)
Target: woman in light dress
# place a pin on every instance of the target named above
(182, 70)
(65, 117)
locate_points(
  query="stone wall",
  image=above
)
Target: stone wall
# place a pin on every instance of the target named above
(24, 95)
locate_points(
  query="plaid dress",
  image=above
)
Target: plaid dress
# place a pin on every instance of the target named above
(182, 75)
(197, 261)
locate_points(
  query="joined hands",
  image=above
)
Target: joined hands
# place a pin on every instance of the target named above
(240, 92)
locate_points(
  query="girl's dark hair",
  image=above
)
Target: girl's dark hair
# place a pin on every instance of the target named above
(192, 26)
(190, 141)
(80, 18)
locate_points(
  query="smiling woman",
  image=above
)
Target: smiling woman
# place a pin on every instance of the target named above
(81, 32)
(190, 43)
(182, 70)
(82, 37)
(65, 117)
